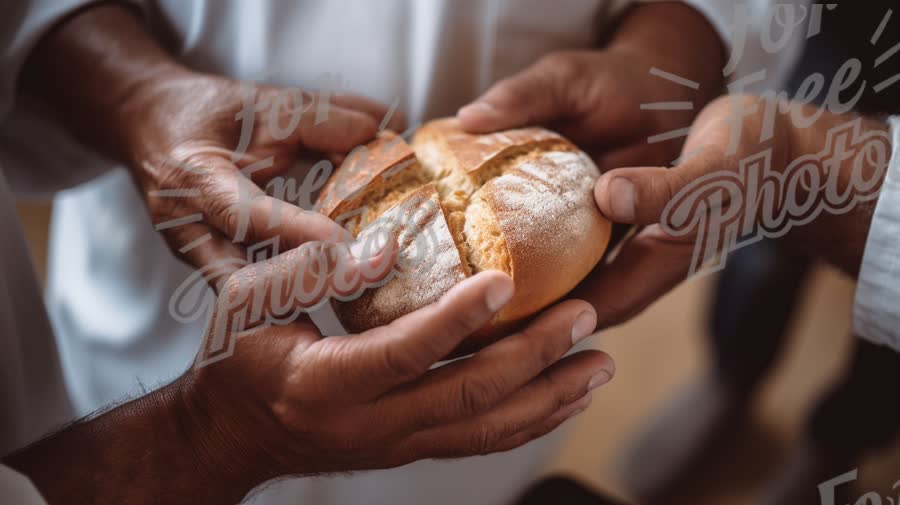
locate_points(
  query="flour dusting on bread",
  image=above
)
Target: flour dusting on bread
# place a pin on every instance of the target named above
(519, 201)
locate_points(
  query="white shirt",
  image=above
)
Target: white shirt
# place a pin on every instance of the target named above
(33, 398)
(111, 276)
(876, 308)
(17, 488)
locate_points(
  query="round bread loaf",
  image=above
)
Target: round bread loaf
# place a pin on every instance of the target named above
(519, 201)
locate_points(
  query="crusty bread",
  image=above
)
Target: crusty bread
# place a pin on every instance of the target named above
(519, 201)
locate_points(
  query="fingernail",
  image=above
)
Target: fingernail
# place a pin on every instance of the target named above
(498, 294)
(584, 325)
(600, 379)
(621, 192)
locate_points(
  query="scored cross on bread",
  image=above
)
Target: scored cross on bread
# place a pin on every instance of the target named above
(519, 201)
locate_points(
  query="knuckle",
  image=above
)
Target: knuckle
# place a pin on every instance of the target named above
(483, 439)
(546, 349)
(552, 348)
(477, 395)
(462, 321)
(400, 363)
(672, 185)
(172, 175)
(560, 394)
(216, 200)
(564, 64)
(231, 219)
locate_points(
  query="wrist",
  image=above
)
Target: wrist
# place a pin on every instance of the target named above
(678, 39)
(854, 153)
(149, 450)
(224, 447)
(93, 69)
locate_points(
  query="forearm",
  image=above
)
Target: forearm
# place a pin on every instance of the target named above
(145, 451)
(92, 71)
(675, 38)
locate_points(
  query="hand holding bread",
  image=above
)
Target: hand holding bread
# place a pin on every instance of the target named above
(518, 201)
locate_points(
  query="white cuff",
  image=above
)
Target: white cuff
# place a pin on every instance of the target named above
(17, 488)
(876, 309)
(752, 57)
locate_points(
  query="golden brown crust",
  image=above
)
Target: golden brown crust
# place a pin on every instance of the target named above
(363, 170)
(520, 201)
(552, 228)
(427, 266)
(473, 153)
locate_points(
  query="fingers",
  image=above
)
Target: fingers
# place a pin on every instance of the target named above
(218, 210)
(546, 426)
(400, 352)
(302, 278)
(207, 249)
(340, 132)
(635, 195)
(333, 127)
(307, 120)
(636, 154)
(243, 212)
(536, 95)
(640, 194)
(471, 386)
(524, 414)
(647, 267)
(725, 133)
(396, 121)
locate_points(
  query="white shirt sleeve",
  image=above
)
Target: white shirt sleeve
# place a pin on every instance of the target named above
(747, 29)
(39, 155)
(876, 308)
(759, 47)
(17, 488)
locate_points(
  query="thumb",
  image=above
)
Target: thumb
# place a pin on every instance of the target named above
(535, 95)
(636, 194)
(640, 194)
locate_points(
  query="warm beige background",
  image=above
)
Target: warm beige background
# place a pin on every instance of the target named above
(664, 347)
